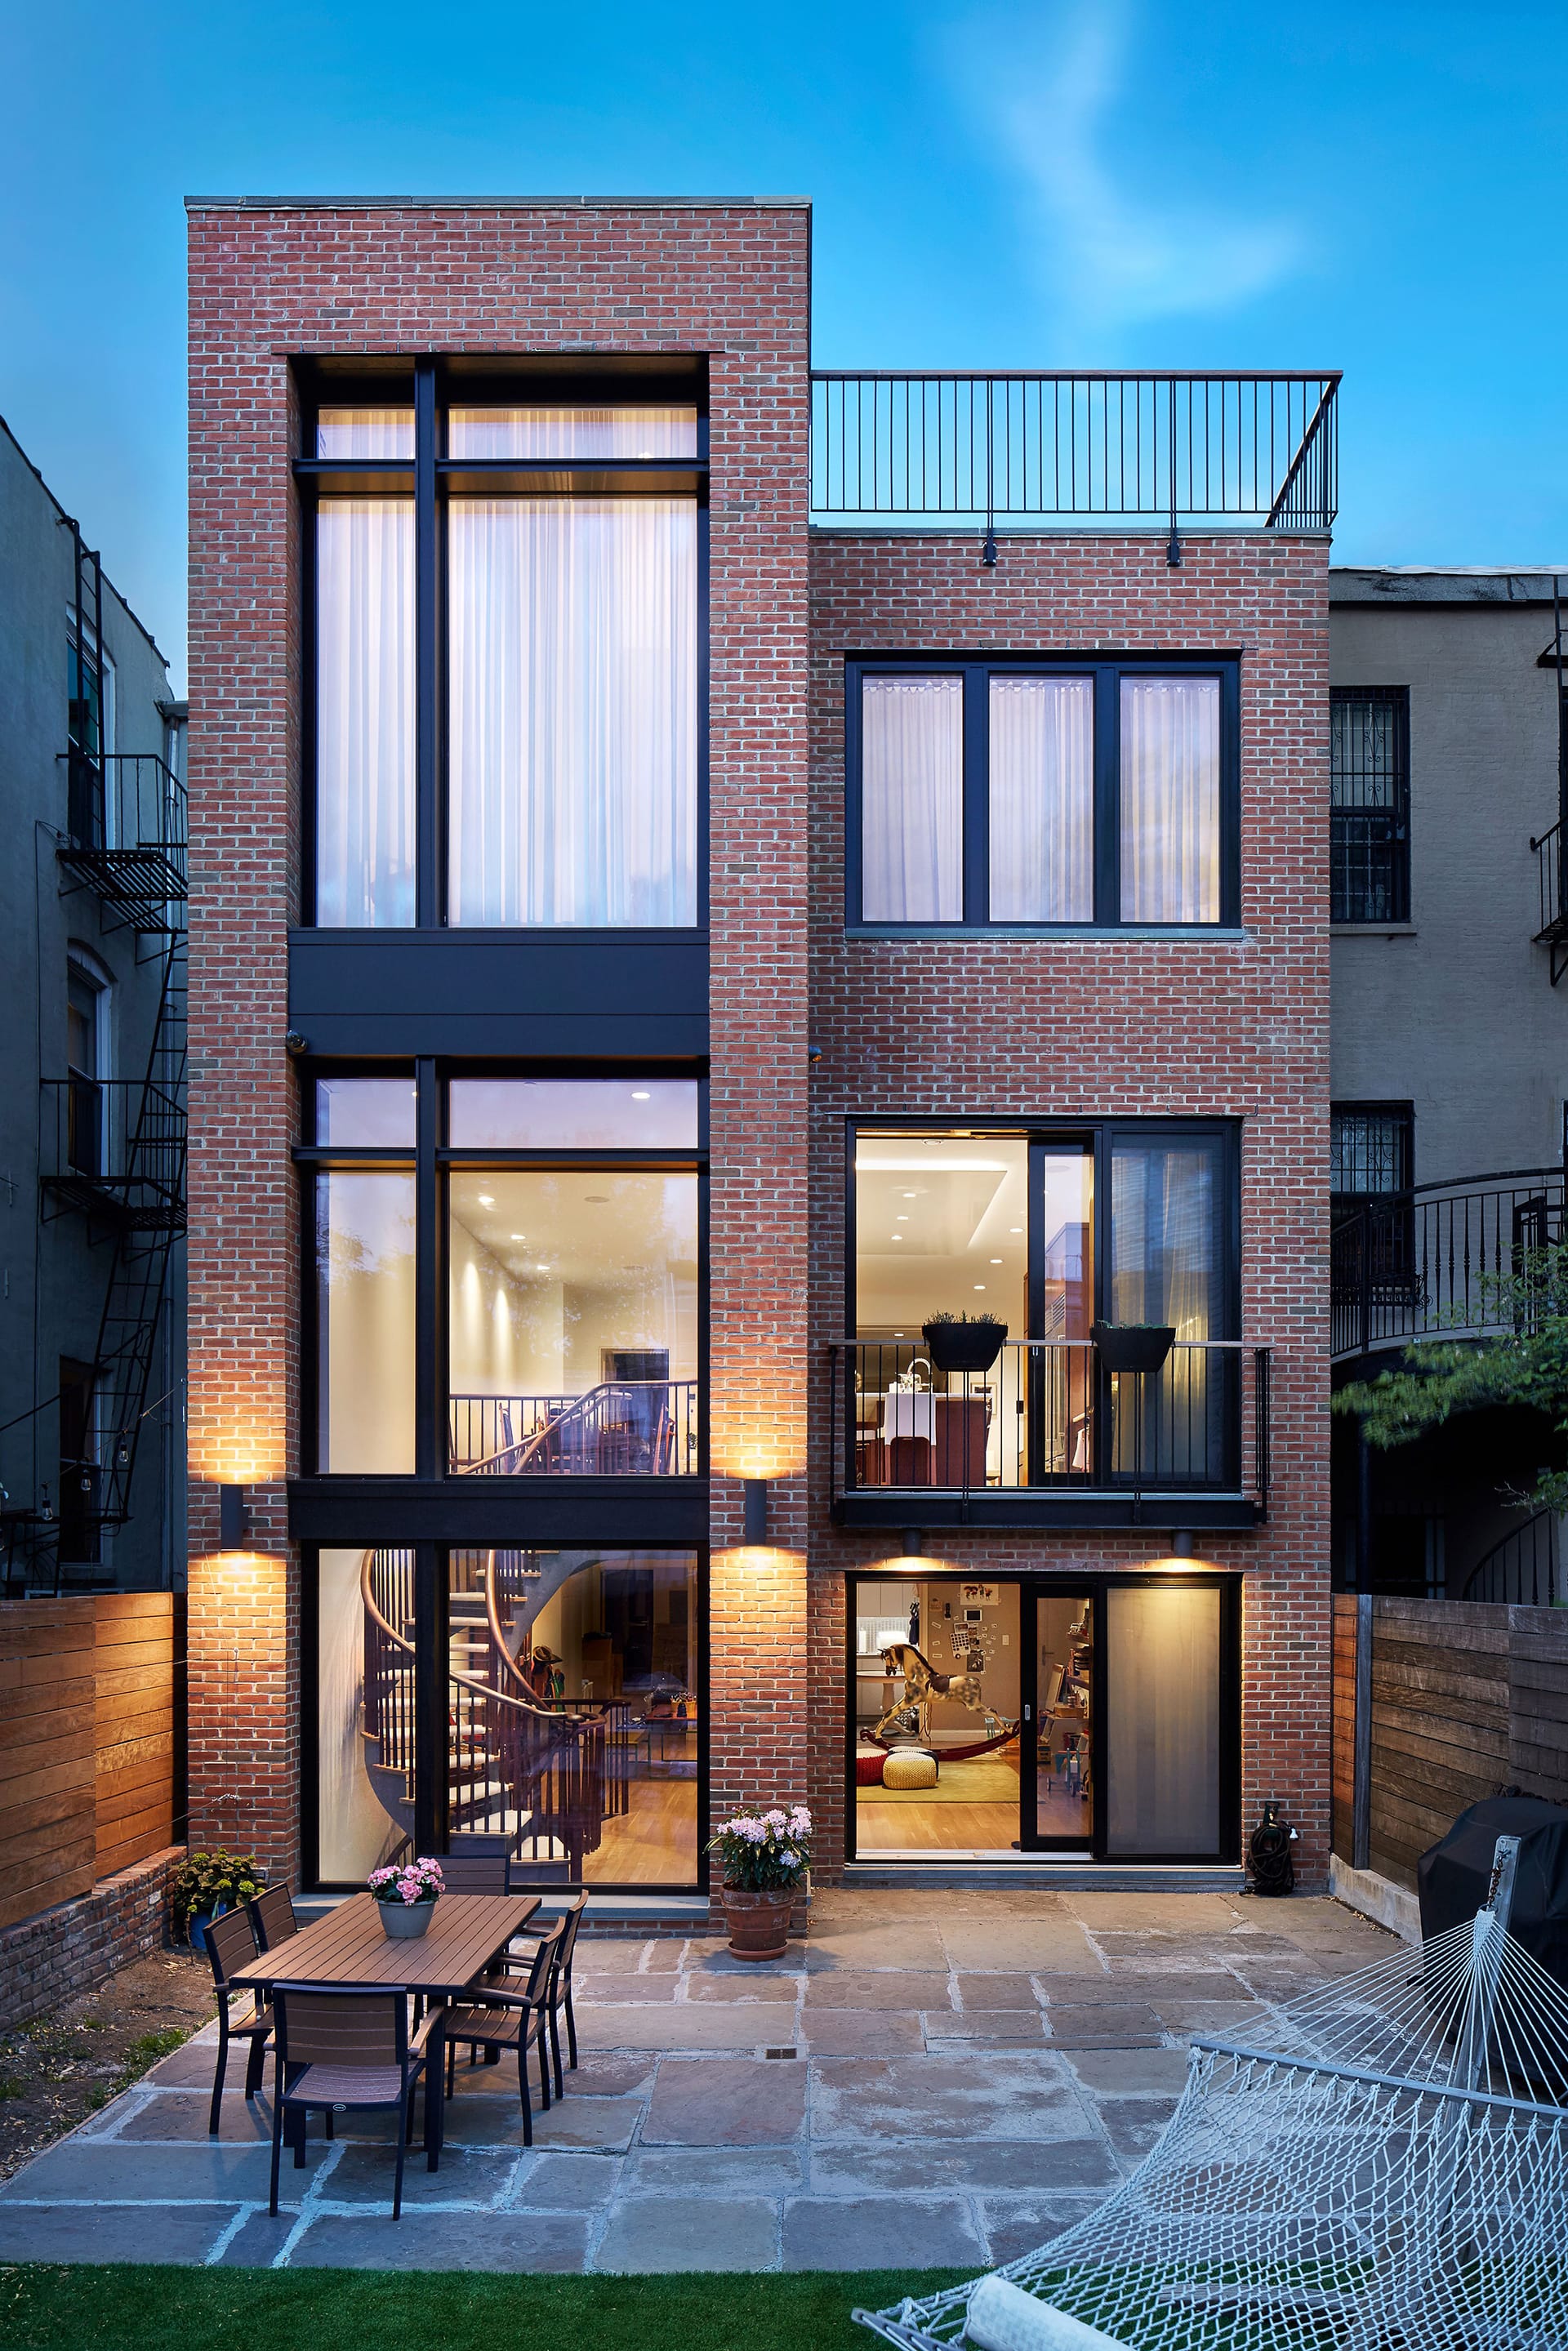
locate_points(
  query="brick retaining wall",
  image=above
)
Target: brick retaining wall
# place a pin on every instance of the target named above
(53, 1956)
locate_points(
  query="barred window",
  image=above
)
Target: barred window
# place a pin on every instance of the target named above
(1370, 804)
(1370, 1150)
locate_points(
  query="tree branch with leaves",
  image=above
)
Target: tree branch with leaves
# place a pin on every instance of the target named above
(1522, 1359)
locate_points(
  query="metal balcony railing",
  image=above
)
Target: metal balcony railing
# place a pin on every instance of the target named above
(1049, 1416)
(1243, 450)
(115, 1148)
(1524, 1570)
(1426, 1262)
(1552, 878)
(126, 835)
(620, 1428)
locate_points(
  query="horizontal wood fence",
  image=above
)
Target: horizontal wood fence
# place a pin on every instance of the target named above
(1463, 1698)
(90, 1702)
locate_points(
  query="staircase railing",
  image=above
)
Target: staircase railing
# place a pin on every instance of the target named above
(1524, 1570)
(617, 1428)
(533, 1775)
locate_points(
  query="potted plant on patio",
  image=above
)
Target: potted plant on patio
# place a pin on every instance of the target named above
(208, 1884)
(765, 1858)
(964, 1343)
(406, 1895)
(1133, 1346)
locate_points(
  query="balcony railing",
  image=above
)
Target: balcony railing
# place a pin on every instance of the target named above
(1524, 1570)
(1427, 1262)
(116, 1148)
(1551, 882)
(1242, 450)
(1049, 1416)
(126, 835)
(620, 1428)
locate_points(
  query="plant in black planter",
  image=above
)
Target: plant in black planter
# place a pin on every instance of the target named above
(207, 1884)
(964, 1343)
(1133, 1346)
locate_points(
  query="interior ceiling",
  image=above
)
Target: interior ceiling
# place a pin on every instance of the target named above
(583, 1227)
(941, 1226)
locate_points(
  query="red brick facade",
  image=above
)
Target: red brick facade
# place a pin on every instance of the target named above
(1236, 1028)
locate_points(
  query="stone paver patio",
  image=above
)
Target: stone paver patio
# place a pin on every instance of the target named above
(931, 2079)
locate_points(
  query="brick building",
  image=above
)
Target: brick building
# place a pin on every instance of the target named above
(699, 871)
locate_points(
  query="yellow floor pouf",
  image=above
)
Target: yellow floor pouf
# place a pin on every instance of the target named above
(909, 1767)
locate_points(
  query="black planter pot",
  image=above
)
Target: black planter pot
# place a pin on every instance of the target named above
(964, 1346)
(1133, 1346)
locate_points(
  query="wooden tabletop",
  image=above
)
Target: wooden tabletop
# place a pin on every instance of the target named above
(348, 1946)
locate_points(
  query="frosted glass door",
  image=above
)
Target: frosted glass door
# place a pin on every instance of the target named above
(1163, 1729)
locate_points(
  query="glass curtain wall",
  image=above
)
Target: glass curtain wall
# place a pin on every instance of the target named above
(573, 1714)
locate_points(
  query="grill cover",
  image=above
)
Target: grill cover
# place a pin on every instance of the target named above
(1453, 1876)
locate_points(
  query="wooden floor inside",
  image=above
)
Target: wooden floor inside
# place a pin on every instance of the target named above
(941, 1820)
(653, 1844)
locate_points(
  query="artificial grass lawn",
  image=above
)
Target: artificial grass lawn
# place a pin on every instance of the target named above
(139, 2307)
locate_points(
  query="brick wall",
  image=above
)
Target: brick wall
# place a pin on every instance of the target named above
(727, 281)
(1230, 1028)
(67, 1949)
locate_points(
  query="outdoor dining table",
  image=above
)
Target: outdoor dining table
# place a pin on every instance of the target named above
(347, 1948)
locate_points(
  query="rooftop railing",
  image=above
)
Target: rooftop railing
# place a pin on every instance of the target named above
(1242, 450)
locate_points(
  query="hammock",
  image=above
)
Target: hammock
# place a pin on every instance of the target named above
(1385, 2169)
(962, 1751)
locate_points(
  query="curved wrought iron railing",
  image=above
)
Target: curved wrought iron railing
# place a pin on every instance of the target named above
(620, 1428)
(1524, 1570)
(537, 1775)
(1427, 1262)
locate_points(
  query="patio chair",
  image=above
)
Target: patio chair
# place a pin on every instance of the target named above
(231, 1941)
(559, 1990)
(272, 1916)
(340, 2048)
(510, 2015)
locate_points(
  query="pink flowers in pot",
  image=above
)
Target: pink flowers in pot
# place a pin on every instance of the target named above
(765, 1852)
(407, 1880)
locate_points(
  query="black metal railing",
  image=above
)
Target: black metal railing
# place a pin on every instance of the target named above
(126, 833)
(620, 1428)
(116, 1147)
(1522, 1570)
(1047, 1414)
(1244, 449)
(1551, 880)
(1430, 1261)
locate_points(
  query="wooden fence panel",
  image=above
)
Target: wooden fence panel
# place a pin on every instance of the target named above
(87, 1743)
(1465, 1698)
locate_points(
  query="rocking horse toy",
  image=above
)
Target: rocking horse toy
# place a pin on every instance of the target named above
(922, 1683)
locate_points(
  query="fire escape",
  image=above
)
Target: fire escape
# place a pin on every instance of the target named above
(1551, 929)
(113, 1151)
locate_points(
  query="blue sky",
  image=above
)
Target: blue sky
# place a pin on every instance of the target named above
(1094, 183)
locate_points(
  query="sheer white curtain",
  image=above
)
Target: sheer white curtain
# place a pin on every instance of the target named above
(1042, 799)
(1170, 799)
(911, 800)
(572, 432)
(572, 745)
(364, 713)
(365, 433)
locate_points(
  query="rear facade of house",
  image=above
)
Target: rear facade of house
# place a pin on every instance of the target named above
(707, 879)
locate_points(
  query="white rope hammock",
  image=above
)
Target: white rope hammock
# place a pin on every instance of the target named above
(1385, 2169)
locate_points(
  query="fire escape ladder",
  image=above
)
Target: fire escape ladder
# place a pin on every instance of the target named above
(138, 1278)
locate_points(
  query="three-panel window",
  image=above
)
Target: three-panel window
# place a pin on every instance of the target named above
(1041, 793)
(523, 717)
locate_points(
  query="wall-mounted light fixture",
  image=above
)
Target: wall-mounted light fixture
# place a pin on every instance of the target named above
(1182, 1545)
(754, 1528)
(914, 1543)
(234, 1519)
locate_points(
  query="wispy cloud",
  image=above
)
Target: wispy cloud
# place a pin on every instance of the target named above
(1107, 257)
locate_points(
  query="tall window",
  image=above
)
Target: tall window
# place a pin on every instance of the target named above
(985, 793)
(535, 762)
(1371, 1151)
(1369, 821)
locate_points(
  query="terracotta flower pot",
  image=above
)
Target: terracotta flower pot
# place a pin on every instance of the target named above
(759, 1922)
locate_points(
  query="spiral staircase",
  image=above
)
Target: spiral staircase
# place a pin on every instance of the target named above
(533, 1778)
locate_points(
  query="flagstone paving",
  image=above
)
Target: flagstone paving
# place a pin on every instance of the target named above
(928, 2079)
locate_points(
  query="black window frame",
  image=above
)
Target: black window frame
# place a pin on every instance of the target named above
(1107, 671)
(1374, 835)
(430, 386)
(1404, 1113)
(430, 1159)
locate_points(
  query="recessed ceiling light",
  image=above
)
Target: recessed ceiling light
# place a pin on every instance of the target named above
(901, 1217)
(980, 1285)
(996, 1260)
(639, 1097)
(541, 1268)
(1015, 1228)
(895, 1237)
(519, 1236)
(909, 1196)
(486, 1199)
